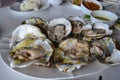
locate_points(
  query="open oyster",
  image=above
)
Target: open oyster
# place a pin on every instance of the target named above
(71, 55)
(26, 31)
(28, 5)
(99, 30)
(58, 29)
(31, 51)
(105, 50)
(36, 21)
(77, 24)
(101, 27)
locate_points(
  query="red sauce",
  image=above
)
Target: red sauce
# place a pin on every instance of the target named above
(91, 5)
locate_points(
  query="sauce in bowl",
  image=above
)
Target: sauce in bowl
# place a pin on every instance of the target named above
(102, 18)
(91, 5)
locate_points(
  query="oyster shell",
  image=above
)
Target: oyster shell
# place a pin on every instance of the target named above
(113, 48)
(103, 26)
(36, 21)
(105, 51)
(71, 55)
(117, 24)
(28, 5)
(115, 57)
(99, 30)
(58, 29)
(77, 24)
(31, 51)
(26, 31)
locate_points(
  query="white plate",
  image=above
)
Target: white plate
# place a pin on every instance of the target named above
(37, 72)
(75, 6)
(16, 7)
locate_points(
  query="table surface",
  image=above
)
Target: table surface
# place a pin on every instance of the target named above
(10, 20)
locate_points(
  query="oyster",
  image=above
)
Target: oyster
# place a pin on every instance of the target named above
(28, 5)
(115, 57)
(77, 24)
(99, 30)
(71, 54)
(102, 26)
(105, 50)
(36, 21)
(26, 31)
(113, 48)
(31, 51)
(58, 29)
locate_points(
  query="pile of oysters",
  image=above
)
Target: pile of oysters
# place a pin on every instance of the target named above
(66, 44)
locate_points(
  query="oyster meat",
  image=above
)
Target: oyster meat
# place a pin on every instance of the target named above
(77, 24)
(106, 51)
(73, 53)
(27, 51)
(102, 26)
(36, 21)
(58, 29)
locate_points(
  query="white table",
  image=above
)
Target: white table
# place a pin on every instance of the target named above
(9, 21)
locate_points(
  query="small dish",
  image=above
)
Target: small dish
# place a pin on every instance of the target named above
(74, 5)
(97, 6)
(103, 16)
(16, 7)
(55, 2)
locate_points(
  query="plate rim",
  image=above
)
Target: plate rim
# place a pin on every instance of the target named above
(61, 78)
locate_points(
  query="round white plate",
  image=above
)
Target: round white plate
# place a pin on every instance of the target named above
(38, 72)
(16, 7)
(75, 6)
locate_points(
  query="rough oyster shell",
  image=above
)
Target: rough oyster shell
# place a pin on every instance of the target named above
(71, 18)
(68, 68)
(77, 24)
(98, 30)
(36, 21)
(104, 27)
(26, 31)
(71, 55)
(115, 57)
(31, 51)
(64, 64)
(115, 53)
(105, 51)
(58, 29)
(75, 48)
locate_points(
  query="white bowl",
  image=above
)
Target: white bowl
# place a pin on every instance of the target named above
(55, 2)
(88, 11)
(15, 7)
(105, 14)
